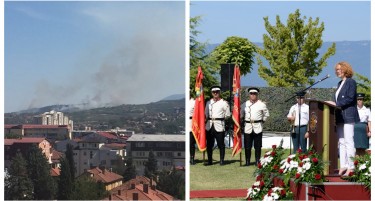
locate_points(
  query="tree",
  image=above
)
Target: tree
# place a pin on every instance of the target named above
(130, 171)
(18, 185)
(364, 86)
(151, 165)
(172, 182)
(65, 183)
(86, 188)
(39, 172)
(199, 57)
(236, 50)
(291, 51)
(69, 154)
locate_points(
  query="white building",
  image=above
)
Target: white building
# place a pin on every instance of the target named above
(168, 149)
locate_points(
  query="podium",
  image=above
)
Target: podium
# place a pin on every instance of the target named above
(322, 133)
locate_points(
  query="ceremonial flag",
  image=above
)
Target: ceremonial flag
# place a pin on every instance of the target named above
(198, 120)
(237, 141)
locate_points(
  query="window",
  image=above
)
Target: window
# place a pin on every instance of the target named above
(179, 154)
(84, 153)
(159, 154)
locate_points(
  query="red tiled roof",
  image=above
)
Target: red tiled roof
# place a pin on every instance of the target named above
(109, 135)
(56, 155)
(55, 172)
(116, 145)
(105, 177)
(24, 140)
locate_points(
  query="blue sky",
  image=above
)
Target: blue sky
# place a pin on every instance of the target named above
(93, 53)
(343, 20)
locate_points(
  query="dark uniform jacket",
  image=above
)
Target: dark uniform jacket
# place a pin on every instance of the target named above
(347, 101)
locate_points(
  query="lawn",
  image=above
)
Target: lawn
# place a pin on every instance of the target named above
(229, 176)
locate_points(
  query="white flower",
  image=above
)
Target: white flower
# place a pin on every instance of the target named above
(363, 166)
(268, 153)
(300, 170)
(306, 166)
(257, 183)
(291, 156)
(293, 164)
(306, 160)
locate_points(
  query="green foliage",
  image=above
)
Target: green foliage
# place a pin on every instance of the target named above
(130, 171)
(18, 185)
(69, 155)
(119, 166)
(39, 172)
(291, 51)
(172, 182)
(199, 57)
(12, 136)
(65, 182)
(151, 166)
(86, 188)
(362, 170)
(236, 50)
(364, 86)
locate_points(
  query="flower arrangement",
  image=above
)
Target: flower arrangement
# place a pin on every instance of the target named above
(270, 162)
(303, 167)
(277, 193)
(362, 170)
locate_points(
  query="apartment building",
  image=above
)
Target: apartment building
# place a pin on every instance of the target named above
(51, 132)
(168, 149)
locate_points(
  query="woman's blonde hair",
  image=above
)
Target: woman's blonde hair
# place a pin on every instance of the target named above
(346, 68)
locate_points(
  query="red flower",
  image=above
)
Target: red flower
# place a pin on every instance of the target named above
(282, 183)
(356, 162)
(281, 171)
(261, 184)
(318, 176)
(311, 153)
(273, 153)
(259, 177)
(298, 175)
(253, 186)
(282, 192)
(299, 151)
(265, 156)
(351, 174)
(300, 164)
(275, 167)
(300, 157)
(273, 146)
(259, 165)
(289, 159)
(305, 156)
(315, 160)
(269, 192)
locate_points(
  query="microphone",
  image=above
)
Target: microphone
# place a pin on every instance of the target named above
(327, 76)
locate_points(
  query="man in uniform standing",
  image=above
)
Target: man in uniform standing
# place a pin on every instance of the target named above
(192, 139)
(216, 111)
(299, 117)
(254, 113)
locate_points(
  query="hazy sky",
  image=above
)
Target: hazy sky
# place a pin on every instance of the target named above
(343, 20)
(93, 53)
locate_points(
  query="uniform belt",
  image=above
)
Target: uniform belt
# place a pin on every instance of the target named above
(301, 126)
(252, 121)
(219, 119)
(190, 117)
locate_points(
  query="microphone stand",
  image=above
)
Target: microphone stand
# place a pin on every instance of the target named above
(308, 87)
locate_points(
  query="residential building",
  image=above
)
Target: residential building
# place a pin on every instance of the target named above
(168, 149)
(140, 188)
(51, 132)
(94, 152)
(11, 146)
(54, 118)
(109, 179)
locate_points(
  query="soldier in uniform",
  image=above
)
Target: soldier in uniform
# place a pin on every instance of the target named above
(253, 113)
(362, 129)
(300, 134)
(216, 111)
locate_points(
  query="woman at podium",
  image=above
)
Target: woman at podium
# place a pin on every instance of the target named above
(346, 116)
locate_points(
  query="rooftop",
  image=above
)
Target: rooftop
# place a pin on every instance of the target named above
(157, 138)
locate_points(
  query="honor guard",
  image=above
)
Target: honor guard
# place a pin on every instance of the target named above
(216, 111)
(299, 132)
(253, 114)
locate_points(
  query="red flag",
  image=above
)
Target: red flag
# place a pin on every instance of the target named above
(237, 141)
(198, 120)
